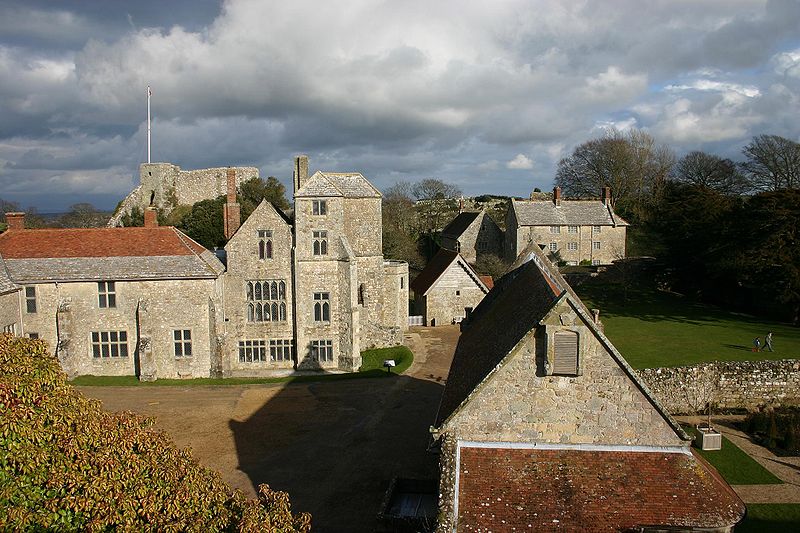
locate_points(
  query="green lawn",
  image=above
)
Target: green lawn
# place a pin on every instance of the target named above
(771, 517)
(655, 329)
(372, 367)
(735, 466)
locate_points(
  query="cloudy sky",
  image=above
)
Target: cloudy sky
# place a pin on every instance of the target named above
(486, 95)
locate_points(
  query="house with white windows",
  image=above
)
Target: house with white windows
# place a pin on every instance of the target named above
(574, 231)
(302, 293)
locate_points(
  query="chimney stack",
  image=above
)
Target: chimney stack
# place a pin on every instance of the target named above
(607, 196)
(150, 217)
(15, 220)
(557, 196)
(232, 212)
(300, 171)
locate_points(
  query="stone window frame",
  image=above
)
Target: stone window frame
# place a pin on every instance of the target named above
(30, 299)
(106, 294)
(109, 345)
(182, 342)
(266, 300)
(572, 246)
(252, 350)
(32, 335)
(555, 229)
(322, 307)
(281, 350)
(319, 207)
(319, 244)
(596, 245)
(321, 350)
(265, 247)
(572, 229)
(553, 246)
(597, 229)
(550, 336)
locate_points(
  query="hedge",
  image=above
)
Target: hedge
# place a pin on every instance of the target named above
(65, 464)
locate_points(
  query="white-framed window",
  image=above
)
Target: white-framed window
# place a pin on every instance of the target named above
(252, 351)
(266, 300)
(322, 307)
(595, 245)
(109, 344)
(264, 243)
(319, 207)
(106, 294)
(572, 246)
(281, 349)
(182, 339)
(555, 229)
(322, 350)
(30, 299)
(572, 229)
(595, 262)
(320, 244)
(553, 246)
(597, 229)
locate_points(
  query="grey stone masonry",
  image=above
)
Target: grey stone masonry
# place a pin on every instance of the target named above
(726, 385)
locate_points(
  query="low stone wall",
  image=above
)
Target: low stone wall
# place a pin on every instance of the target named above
(726, 384)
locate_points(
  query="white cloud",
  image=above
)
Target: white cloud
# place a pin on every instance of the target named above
(520, 162)
(787, 63)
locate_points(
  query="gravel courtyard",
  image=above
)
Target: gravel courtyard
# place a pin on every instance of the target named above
(333, 446)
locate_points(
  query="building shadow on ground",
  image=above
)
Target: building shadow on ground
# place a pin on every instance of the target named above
(335, 446)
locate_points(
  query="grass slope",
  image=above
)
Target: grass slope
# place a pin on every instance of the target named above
(654, 328)
(735, 466)
(372, 367)
(772, 517)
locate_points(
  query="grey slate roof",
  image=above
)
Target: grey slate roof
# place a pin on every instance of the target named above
(6, 285)
(114, 268)
(570, 213)
(460, 224)
(346, 184)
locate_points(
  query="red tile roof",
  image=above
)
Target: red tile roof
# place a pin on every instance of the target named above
(577, 490)
(96, 242)
(488, 281)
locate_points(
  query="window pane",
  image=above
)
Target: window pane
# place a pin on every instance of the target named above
(187, 335)
(96, 350)
(326, 312)
(261, 250)
(187, 348)
(178, 349)
(323, 247)
(269, 249)
(123, 336)
(114, 350)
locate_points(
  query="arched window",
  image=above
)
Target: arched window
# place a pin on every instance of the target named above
(259, 313)
(257, 291)
(251, 315)
(282, 315)
(281, 290)
(265, 299)
(322, 307)
(264, 243)
(273, 290)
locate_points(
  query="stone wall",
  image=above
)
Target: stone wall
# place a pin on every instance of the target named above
(611, 239)
(726, 384)
(9, 311)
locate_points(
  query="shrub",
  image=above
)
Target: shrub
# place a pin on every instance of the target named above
(65, 464)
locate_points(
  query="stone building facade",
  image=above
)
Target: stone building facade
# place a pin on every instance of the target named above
(472, 234)
(447, 290)
(574, 230)
(10, 295)
(543, 422)
(302, 294)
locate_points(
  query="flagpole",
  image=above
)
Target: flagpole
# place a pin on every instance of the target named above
(148, 123)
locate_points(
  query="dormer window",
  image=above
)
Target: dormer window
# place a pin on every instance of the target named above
(319, 207)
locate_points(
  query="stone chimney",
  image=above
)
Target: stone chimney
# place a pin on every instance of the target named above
(150, 217)
(300, 171)
(607, 196)
(557, 196)
(232, 212)
(15, 220)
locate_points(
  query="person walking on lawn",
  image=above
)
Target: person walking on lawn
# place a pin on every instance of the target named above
(768, 341)
(757, 344)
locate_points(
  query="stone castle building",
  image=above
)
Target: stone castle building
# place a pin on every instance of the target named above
(576, 230)
(473, 233)
(544, 426)
(303, 293)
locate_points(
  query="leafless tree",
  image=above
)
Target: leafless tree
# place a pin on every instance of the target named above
(712, 172)
(773, 162)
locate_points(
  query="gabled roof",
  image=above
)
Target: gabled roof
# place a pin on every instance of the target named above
(345, 184)
(513, 308)
(569, 489)
(437, 266)
(570, 213)
(460, 224)
(264, 207)
(105, 254)
(6, 285)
